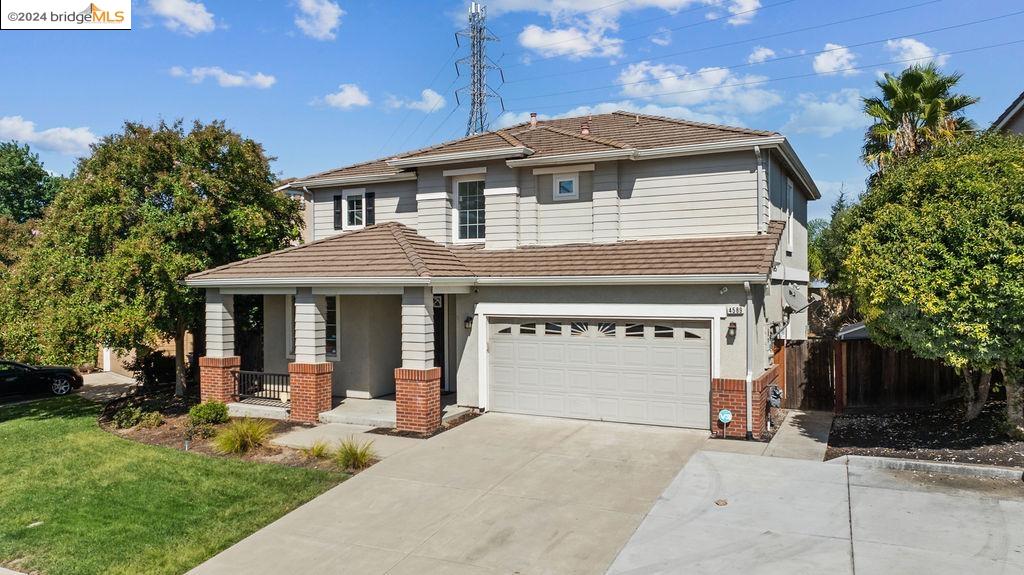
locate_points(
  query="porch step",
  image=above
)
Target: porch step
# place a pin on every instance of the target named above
(241, 409)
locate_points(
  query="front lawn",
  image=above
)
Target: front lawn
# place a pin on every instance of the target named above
(76, 499)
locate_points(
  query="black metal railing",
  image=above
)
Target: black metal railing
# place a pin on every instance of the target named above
(259, 385)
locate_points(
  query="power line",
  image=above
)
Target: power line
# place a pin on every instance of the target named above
(427, 115)
(676, 29)
(408, 111)
(797, 76)
(772, 60)
(479, 64)
(562, 73)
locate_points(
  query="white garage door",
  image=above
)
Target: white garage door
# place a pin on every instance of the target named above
(614, 370)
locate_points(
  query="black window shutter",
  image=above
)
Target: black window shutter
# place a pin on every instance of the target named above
(371, 216)
(337, 212)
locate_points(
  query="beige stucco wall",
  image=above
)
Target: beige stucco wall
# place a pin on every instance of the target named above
(371, 345)
(733, 351)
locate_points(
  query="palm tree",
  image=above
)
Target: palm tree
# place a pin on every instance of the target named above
(917, 110)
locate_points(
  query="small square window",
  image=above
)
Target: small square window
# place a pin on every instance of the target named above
(551, 328)
(663, 331)
(565, 187)
(634, 330)
(606, 329)
(578, 328)
(528, 329)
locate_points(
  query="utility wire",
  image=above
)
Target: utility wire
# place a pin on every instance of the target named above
(409, 110)
(562, 73)
(771, 60)
(797, 76)
(427, 115)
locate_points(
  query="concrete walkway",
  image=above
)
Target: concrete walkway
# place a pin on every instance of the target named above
(334, 433)
(498, 494)
(765, 515)
(802, 435)
(104, 386)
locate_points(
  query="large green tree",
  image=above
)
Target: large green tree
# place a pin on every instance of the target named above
(937, 262)
(148, 207)
(916, 110)
(26, 188)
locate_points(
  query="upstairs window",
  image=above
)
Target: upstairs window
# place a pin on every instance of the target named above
(357, 209)
(565, 187)
(470, 219)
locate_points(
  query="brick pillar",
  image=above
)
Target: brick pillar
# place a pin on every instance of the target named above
(418, 399)
(310, 388)
(216, 381)
(731, 394)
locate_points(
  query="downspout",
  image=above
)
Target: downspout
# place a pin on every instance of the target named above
(760, 194)
(750, 359)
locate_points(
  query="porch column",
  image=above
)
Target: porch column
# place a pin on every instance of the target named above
(310, 374)
(418, 381)
(216, 381)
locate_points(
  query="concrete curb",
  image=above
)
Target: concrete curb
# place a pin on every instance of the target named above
(959, 469)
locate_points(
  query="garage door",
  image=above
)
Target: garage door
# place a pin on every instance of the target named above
(614, 370)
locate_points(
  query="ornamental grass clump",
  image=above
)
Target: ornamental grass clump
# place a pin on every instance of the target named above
(319, 450)
(243, 435)
(355, 456)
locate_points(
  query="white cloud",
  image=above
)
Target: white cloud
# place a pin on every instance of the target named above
(430, 101)
(183, 16)
(716, 90)
(225, 79)
(835, 59)
(663, 37)
(69, 141)
(510, 118)
(743, 11)
(587, 28)
(910, 51)
(319, 18)
(760, 54)
(839, 111)
(348, 96)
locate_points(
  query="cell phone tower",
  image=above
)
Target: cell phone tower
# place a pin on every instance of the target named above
(479, 64)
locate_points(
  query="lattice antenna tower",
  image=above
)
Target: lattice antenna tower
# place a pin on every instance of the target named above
(479, 64)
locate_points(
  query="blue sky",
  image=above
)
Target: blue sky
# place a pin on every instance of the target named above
(324, 83)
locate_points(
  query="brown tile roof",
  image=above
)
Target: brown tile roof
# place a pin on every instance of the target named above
(691, 256)
(384, 250)
(394, 250)
(562, 136)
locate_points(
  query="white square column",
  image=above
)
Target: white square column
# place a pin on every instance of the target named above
(417, 328)
(310, 327)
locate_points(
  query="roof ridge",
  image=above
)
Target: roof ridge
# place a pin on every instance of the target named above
(509, 138)
(693, 123)
(586, 137)
(407, 248)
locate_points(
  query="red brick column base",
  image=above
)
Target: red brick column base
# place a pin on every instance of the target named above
(418, 399)
(216, 382)
(731, 394)
(310, 388)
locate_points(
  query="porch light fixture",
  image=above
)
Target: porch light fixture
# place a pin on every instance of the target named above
(731, 332)
(468, 322)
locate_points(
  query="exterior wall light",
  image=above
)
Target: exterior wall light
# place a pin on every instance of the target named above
(468, 322)
(731, 332)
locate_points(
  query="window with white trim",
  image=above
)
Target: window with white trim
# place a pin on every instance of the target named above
(357, 209)
(332, 325)
(565, 187)
(470, 214)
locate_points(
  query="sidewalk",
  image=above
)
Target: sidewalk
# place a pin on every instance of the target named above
(803, 435)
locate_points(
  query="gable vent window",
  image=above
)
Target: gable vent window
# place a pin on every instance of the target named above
(565, 187)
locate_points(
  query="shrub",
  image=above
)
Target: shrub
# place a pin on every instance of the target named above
(352, 455)
(199, 430)
(243, 436)
(127, 417)
(153, 368)
(151, 420)
(319, 450)
(212, 412)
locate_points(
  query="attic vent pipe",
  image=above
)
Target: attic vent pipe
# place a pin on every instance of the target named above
(533, 119)
(638, 119)
(585, 128)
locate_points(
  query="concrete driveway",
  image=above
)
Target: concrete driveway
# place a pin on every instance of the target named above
(787, 516)
(499, 494)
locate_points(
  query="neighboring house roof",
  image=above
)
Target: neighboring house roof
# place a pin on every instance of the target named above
(620, 134)
(392, 250)
(854, 331)
(1011, 112)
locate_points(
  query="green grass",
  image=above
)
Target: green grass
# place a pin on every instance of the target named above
(110, 505)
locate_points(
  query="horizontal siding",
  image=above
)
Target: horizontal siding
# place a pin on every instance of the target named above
(692, 196)
(394, 202)
(567, 221)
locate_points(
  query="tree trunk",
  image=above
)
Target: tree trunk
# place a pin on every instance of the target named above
(1014, 399)
(976, 387)
(179, 362)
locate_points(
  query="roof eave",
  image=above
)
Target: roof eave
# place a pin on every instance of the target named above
(252, 282)
(346, 180)
(708, 148)
(1009, 113)
(793, 162)
(603, 155)
(653, 279)
(435, 159)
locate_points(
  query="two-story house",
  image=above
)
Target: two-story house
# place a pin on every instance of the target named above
(619, 267)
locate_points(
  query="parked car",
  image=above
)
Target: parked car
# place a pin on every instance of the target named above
(16, 378)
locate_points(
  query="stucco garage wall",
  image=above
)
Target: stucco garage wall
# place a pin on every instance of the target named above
(733, 350)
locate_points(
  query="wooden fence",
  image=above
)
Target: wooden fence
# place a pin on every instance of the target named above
(878, 377)
(809, 382)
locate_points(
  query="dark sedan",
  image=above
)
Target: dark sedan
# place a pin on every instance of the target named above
(18, 378)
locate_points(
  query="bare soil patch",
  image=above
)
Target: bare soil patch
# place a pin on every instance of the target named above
(445, 426)
(935, 434)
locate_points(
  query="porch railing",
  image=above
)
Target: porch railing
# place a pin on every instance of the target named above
(274, 387)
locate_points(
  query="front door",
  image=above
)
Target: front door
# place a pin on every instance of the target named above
(439, 338)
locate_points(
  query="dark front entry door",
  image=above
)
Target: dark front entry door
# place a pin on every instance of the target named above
(439, 337)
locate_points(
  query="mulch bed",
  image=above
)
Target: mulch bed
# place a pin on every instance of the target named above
(445, 426)
(172, 432)
(935, 434)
